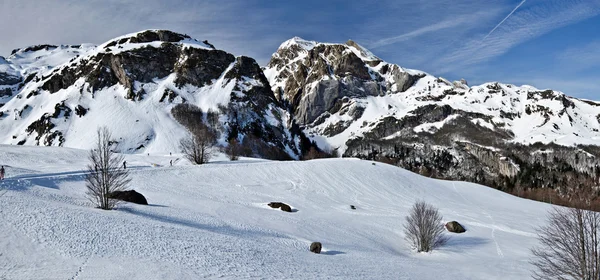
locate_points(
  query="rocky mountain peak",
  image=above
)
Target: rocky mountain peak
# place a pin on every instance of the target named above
(313, 76)
(34, 48)
(155, 35)
(154, 83)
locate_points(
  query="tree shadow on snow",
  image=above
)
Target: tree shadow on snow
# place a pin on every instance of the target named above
(46, 180)
(220, 229)
(458, 243)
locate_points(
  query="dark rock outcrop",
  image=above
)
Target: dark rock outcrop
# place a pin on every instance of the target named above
(275, 204)
(129, 196)
(195, 66)
(455, 227)
(316, 247)
(35, 48)
(284, 207)
(8, 79)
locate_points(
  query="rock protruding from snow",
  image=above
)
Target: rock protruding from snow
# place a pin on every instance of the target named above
(280, 205)
(316, 247)
(455, 227)
(129, 196)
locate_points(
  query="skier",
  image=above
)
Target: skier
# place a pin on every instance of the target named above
(124, 164)
(171, 162)
(2, 172)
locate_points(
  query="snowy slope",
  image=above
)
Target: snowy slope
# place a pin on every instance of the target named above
(212, 221)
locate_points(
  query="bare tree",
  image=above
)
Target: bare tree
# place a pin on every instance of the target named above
(569, 246)
(197, 147)
(423, 228)
(105, 174)
(234, 149)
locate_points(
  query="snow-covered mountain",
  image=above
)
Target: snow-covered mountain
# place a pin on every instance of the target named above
(213, 222)
(348, 99)
(59, 95)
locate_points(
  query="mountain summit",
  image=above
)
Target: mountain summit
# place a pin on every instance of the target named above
(132, 84)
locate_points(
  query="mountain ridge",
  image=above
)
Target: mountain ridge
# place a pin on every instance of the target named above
(339, 97)
(353, 102)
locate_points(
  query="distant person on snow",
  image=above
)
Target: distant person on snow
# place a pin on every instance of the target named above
(2, 172)
(124, 164)
(171, 162)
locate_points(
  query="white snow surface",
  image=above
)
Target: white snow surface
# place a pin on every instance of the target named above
(212, 221)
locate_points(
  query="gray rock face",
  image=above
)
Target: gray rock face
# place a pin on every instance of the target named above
(144, 64)
(7, 79)
(316, 75)
(403, 80)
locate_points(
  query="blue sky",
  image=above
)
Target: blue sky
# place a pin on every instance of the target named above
(546, 43)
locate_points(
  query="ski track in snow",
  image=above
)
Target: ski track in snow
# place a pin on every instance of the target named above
(486, 214)
(212, 221)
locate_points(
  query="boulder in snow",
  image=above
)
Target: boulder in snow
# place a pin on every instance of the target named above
(286, 208)
(455, 227)
(129, 196)
(315, 247)
(280, 205)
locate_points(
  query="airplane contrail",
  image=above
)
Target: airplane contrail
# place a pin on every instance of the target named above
(513, 11)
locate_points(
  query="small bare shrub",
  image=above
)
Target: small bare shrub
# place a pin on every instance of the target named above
(423, 228)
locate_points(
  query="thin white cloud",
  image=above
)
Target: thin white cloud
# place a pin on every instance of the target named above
(450, 23)
(229, 25)
(524, 25)
(580, 58)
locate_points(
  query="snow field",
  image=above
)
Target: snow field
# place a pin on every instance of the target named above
(212, 221)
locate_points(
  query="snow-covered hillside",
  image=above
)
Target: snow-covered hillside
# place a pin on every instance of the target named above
(212, 221)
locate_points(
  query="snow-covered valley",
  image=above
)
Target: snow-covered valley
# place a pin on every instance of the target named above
(212, 221)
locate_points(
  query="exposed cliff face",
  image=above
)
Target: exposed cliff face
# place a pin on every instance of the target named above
(349, 100)
(312, 76)
(131, 84)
